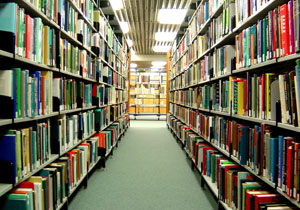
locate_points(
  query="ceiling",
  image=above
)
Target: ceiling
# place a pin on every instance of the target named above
(142, 18)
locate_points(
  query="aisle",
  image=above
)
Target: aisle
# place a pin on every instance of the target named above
(147, 171)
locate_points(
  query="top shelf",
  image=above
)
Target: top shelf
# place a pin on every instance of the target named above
(245, 24)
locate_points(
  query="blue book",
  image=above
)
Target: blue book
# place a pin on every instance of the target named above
(34, 152)
(38, 77)
(8, 151)
(208, 155)
(244, 145)
(280, 161)
(273, 158)
(8, 17)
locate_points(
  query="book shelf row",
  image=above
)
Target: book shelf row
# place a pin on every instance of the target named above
(51, 50)
(248, 47)
(65, 173)
(271, 98)
(63, 99)
(219, 168)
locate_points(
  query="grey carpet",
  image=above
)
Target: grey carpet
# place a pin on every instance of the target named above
(148, 171)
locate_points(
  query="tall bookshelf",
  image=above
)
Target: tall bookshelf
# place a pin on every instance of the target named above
(234, 82)
(64, 85)
(148, 92)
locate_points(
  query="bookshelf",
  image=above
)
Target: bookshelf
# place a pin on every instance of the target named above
(233, 83)
(148, 92)
(68, 73)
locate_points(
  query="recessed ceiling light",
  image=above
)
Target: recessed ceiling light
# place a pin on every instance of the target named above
(165, 36)
(159, 63)
(116, 4)
(124, 26)
(159, 48)
(133, 65)
(132, 52)
(171, 16)
(129, 42)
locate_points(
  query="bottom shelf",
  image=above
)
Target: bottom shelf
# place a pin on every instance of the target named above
(212, 186)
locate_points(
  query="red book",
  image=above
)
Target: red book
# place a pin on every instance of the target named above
(249, 194)
(265, 198)
(241, 50)
(101, 139)
(28, 37)
(289, 171)
(229, 136)
(71, 154)
(284, 26)
(25, 184)
(227, 168)
(94, 90)
(295, 194)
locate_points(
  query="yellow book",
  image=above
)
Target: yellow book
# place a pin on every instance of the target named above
(240, 110)
(45, 44)
(39, 191)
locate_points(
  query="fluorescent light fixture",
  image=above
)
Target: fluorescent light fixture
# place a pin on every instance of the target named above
(124, 26)
(159, 48)
(116, 4)
(159, 63)
(165, 36)
(132, 69)
(171, 16)
(132, 52)
(129, 42)
(133, 65)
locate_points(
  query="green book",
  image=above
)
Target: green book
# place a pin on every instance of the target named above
(16, 202)
(17, 75)
(264, 43)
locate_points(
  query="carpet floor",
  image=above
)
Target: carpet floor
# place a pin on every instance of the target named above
(148, 171)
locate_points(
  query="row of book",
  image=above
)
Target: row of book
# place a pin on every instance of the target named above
(68, 130)
(261, 148)
(32, 39)
(103, 95)
(38, 93)
(101, 24)
(272, 37)
(38, 42)
(76, 61)
(104, 116)
(217, 63)
(254, 96)
(217, 29)
(237, 188)
(49, 188)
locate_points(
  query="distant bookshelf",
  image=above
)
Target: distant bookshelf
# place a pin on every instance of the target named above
(147, 92)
